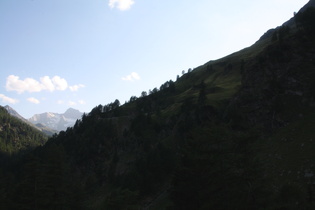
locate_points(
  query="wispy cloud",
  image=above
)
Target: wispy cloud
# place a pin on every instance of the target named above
(82, 102)
(33, 100)
(131, 77)
(7, 99)
(72, 103)
(60, 102)
(14, 83)
(76, 87)
(121, 4)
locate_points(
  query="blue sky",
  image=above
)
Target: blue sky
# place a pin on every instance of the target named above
(56, 54)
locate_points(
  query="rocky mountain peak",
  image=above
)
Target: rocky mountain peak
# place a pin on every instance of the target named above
(57, 121)
(72, 113)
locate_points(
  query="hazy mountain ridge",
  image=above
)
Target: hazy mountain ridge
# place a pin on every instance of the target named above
(14, 113)
(57, 121)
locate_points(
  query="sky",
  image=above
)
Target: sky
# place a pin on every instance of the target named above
(57, 54)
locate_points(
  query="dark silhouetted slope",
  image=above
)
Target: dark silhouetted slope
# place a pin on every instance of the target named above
(234, 133)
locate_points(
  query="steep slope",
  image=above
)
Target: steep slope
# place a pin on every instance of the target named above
(238, 129)
(57, 121)
(311, 3)
(14, 113)
(16, 135)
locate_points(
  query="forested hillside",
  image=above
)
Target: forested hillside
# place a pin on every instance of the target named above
(235, 133)
(17, 136)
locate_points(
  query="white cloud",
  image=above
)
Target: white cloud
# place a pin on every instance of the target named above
(60, 83)
(14, 83)
(7, 99)
(131, 77)
(33, 100)
(47, 83)
(76, 87)
(121, 4)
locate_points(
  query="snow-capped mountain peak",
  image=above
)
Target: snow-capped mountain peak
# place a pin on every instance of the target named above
(57, 121)
(38, 126)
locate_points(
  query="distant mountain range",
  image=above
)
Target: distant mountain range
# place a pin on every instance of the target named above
(55, 121)
(49, 122)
